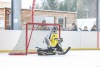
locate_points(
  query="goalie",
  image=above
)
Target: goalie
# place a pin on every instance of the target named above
(54, 41)
(53, 44)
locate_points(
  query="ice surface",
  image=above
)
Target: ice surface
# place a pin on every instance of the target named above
(71, 59)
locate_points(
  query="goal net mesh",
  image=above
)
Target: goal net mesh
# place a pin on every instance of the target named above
(32, 36)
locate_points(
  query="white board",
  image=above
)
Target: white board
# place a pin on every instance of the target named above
(2, 23)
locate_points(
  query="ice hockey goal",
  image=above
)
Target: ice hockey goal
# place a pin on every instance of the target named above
(32, 36)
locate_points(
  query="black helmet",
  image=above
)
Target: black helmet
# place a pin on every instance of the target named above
(54, 29)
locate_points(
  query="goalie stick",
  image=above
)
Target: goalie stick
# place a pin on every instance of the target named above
(66, 51)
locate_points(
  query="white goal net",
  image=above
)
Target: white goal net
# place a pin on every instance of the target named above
(32, 36)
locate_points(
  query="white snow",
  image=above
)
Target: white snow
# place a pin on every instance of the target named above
(79, 58)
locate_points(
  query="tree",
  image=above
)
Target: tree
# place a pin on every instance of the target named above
(37, 6)
(61, 6)
(73, 7)
(87, 8)
(70, 5)
(50, 4)
(84, 8)
(45, 5)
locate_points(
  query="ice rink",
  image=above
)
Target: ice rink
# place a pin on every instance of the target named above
(74, 58)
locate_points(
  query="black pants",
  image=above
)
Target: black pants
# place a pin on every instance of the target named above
(57, 47)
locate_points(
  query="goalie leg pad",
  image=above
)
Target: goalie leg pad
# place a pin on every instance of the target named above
(45, 52)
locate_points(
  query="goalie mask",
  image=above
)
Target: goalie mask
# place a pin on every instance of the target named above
(54, 29)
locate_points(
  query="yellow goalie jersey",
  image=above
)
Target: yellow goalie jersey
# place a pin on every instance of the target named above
(54, 40)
